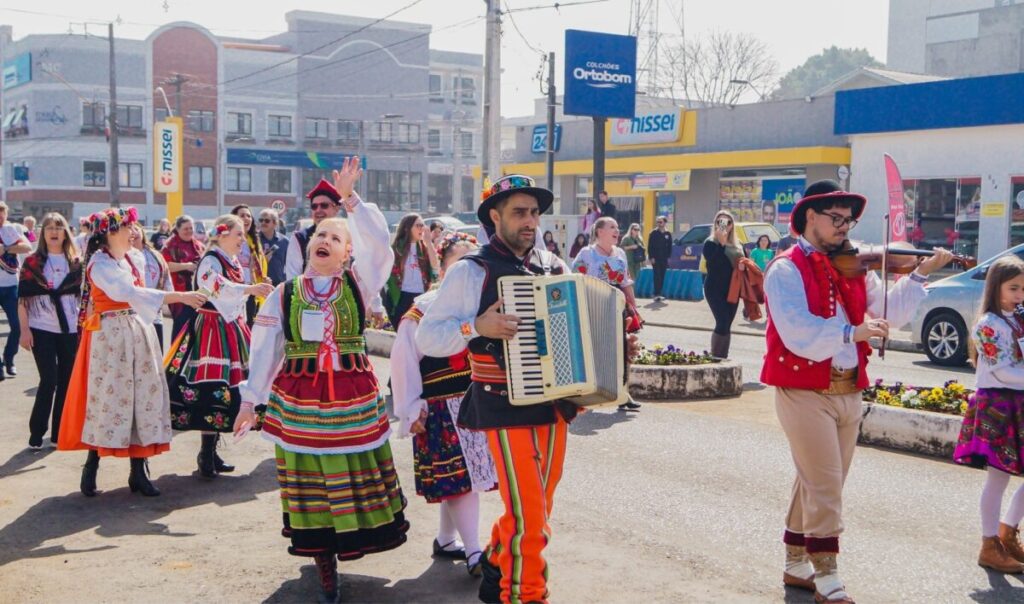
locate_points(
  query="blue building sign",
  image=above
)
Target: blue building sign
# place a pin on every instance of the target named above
(18, 71)
(540, 138)
(309, 160)
(600, 74)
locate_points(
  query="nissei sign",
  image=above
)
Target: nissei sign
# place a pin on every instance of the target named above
(600, 74)
(540, 138)
(167, 157)
(648, 127)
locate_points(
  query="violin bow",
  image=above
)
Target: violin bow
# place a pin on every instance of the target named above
(885, 283)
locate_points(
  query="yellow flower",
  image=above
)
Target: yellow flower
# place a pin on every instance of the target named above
(963, 408)
(937, 392)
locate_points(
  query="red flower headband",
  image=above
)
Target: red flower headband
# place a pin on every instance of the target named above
(112, 219)
(222, 229)
(450, 239)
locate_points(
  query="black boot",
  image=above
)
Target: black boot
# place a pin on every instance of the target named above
(490, 584)
(92, 464)
(219, 464)
(327, 571)
(207, 456)
(138, 480)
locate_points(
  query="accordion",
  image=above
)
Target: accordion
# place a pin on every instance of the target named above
(571, 340)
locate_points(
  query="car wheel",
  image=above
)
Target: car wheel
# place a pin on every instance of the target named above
(945, 340)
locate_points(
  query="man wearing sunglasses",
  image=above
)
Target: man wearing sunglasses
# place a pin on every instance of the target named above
(325, 202)
(275, 247)
(819, 324)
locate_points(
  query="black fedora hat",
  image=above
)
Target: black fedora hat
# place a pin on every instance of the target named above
(506, 186)
(823, 189)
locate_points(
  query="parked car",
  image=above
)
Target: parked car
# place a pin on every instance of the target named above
(203, 227)
(467, 217)
(941, 323)
(687, 249)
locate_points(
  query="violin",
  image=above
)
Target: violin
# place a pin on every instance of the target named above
(898, 257)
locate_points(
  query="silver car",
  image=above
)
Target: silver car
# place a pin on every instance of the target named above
(941, 324)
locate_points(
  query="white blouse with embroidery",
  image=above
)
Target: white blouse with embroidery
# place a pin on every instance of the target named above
(613, 269)
(999, 356)
(226, 296)
(116, 279)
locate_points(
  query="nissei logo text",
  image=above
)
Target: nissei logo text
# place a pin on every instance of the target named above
(650, 126)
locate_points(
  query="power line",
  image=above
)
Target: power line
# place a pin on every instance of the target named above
(515, 26)
(556, 5)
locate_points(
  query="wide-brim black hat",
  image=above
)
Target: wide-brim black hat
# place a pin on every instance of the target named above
(823, 189)
(506, 186)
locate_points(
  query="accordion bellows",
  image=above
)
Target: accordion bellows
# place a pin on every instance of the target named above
(571, 340)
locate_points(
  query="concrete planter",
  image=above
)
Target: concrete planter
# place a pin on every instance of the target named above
(922, 432)
(684, 382)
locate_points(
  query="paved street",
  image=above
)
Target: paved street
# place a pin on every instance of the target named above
(678, 503)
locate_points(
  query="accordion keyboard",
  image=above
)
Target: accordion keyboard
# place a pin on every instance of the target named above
(526, 377)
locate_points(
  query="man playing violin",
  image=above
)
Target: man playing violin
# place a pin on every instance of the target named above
(819, 324)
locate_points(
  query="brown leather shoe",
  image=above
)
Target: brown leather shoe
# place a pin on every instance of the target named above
(793, 581)
(1009, 537)
(993, 555)
(836, 597)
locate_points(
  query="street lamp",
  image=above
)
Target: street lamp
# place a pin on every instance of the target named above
(747, 83)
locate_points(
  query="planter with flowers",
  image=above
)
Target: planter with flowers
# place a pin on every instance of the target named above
(909, 418)
(671, 373)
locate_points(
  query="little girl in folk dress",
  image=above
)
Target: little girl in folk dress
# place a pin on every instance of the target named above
(991, 436)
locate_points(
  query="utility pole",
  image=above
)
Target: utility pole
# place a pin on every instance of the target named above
(492, 93)
(549, 152)
(457, 149)
(115, 176)
(177, 81)
(598, 184)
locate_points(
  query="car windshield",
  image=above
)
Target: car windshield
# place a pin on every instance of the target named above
(754, 232)
(695, 235)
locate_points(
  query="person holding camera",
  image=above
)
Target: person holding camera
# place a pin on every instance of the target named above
(722, 253)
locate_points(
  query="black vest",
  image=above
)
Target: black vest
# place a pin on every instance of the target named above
(486, 406)
(441, 380)
(303, 237)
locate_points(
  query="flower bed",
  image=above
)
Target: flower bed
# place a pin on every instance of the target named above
(950, 398)
(672, 356)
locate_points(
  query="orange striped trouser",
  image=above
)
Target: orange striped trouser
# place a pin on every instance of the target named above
(529, 465)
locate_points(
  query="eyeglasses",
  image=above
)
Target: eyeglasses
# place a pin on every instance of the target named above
(266, 220)
(320, 206)
(419, 224)
(838, 221)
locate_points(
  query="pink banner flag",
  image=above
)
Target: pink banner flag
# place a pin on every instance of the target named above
(897, 213)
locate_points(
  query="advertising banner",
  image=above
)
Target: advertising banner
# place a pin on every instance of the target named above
(600, 74)
(897, 212)
(650, 126)
(540, 138)
(678, 180)
(167, 156)
(18, 71)
(310, 160)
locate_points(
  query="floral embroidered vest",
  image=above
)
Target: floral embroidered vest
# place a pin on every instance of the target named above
(349, 317)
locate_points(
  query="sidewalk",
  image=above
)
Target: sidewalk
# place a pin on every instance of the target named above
(680, 314)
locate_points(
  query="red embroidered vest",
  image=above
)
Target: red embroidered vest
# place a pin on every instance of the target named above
(785, 369)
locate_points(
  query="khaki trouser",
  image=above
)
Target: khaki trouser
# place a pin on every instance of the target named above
(822, 431)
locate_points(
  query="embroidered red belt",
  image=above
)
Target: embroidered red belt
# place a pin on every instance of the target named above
(485, 369)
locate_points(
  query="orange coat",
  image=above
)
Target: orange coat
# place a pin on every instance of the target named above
(747, 285)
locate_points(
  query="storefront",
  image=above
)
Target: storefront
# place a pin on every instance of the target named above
(959, 150)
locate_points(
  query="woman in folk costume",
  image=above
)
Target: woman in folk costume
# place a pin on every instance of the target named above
(452, 465)
(252, 259)
(210, 357)
(414, 270)
(117, 403)
(48, 295)
(339, 489)
(155, 274)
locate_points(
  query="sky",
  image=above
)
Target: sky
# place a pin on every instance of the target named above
(793, 29)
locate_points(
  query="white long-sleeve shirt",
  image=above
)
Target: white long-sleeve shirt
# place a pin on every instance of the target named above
(406, 380)
(293, 259)
(116, 279)
(227, 296)
(817, 338)
(372, 263)
(458, 301)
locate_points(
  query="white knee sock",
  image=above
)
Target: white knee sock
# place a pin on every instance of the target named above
(465, 512)
(446, 531)
(1015, 513)
(992, 501)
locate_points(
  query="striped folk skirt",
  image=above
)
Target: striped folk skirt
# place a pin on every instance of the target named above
(450, 461)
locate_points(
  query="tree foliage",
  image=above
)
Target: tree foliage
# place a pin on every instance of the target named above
(703, 69)
(821, 69)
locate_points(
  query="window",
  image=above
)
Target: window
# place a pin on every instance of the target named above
(409, 133)
(239, 179)
(434, 140)
(316, 127)
(348, 131)
(435, 89)
(239, 124)
(279, 126)
(465, 87)
(94, 173)
(93, 116)
(200, 121)
(394, 189)
(380, 132)
(160, 114)
(467, 143)
(311, 178)
(200, 178)
(129, 117)
(129, 175)
(279, 181)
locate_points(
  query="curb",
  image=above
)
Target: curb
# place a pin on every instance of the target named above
(686, 382)
(897, 345)
(912, 430)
